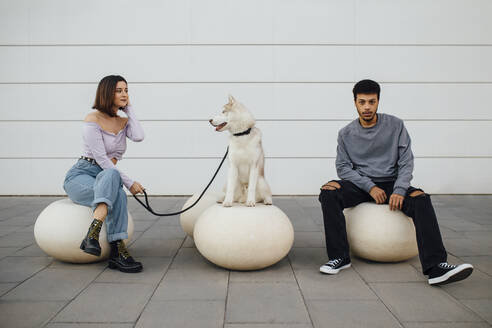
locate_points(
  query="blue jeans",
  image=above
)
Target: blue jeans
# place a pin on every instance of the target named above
(88, 184)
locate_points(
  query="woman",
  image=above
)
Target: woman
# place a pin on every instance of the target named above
(95, 181)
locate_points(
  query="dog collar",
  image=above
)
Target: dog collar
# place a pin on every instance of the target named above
(242, 133)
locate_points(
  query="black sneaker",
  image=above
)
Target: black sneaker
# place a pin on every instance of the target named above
(334, 266)
(444, 273)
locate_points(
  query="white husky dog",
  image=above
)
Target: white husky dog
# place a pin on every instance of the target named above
(246, 177)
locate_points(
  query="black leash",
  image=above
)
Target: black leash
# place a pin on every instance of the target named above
(147, 205)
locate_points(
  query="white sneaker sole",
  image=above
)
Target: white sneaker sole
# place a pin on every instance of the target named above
(328, 270)
(461, 272)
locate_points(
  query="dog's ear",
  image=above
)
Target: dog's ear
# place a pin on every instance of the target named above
(231, 99)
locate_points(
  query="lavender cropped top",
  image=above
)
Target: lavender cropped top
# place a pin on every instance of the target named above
(102, 145)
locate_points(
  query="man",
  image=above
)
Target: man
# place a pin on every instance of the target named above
(375, 163)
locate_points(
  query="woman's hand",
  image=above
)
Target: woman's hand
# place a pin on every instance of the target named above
(136, 188)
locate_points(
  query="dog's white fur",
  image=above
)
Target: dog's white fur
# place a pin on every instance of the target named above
(246, 177)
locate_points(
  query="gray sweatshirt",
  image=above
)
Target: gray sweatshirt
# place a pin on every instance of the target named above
(376, 154)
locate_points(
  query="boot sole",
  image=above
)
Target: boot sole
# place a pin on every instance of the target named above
(90, 250)
(115, 266)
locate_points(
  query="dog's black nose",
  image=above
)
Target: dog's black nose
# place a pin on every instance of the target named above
(210, 120)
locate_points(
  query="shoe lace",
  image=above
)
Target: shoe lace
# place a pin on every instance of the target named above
(446, 265)
(122, 250)
(95, 229)
(333, 263)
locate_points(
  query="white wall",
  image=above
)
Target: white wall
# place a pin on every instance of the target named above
(292, 62)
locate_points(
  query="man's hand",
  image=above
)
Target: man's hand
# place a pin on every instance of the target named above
(136, 188)
(396, 202)
(378, 194)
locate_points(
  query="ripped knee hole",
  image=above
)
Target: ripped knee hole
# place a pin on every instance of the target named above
(417, 193)
(332, 185)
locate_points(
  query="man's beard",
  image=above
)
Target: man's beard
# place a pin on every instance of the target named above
(368, 119)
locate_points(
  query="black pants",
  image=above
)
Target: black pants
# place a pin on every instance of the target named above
(419, 208)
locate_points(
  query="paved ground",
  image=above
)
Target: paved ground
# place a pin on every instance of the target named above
(179, 288)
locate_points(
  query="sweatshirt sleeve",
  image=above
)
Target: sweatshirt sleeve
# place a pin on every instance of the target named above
(405, 162)
(92, 136)
(346, 171)
(134, 130)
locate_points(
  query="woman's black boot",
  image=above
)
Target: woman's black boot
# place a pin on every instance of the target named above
(121, 260)
(90, 244)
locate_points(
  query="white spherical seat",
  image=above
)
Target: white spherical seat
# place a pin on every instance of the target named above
(61, 227)
(376, 233)
(244, 238)
(189, 218)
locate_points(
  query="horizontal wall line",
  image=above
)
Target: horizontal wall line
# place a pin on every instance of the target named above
(246, 45)
(220, 157)
(264, 120)
(245, 82)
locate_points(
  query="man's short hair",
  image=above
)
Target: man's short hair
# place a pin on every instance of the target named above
(366, 87)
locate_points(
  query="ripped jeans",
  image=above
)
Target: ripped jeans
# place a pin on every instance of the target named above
(419, 208)
(88, 184)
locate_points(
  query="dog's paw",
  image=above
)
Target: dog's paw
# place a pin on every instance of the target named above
(250, 203)
(227, 204)
(267, 201)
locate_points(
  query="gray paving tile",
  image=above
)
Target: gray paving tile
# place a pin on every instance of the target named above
(308, 201)
(142, 225)
(421, 302)
(17, 239)
(476, 286)
(5, 287)
(445, 325)
(150, 247)
(309, 239)
(191, 259)
(280, 272)
(482, 263)
(483, 237)
(450, 233)
(19, 211)
(307, 258)
(347, 285)
(169, 221)
(315, 214)
(90, 325)
(466, 247)
(164, 232)
(268, 325)
(205, 284)
(74, 266)
(386, 272)
(182, 314)
(8, 229)
(265, 303)
(32, 250)
(6, 251)
(52, 285)
(102, 302)
(15, 269)
(461, 225)
(154, 270)
(22, 221)
(189, 242)
(356, 313)
(13, 314)
(481, 307)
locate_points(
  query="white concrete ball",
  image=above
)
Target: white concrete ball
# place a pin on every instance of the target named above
(244, 238)
(61, 227)
(376, 233)
(188, 218)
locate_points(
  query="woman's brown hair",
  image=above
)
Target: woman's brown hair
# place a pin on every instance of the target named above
(105, 94)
